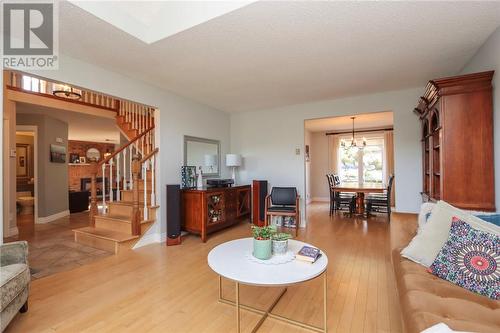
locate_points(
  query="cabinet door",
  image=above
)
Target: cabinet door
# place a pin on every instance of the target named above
(243, 201)
(215, 207)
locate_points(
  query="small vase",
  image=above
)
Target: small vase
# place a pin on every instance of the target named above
(199, 180)
(280, 247)
(262, 249)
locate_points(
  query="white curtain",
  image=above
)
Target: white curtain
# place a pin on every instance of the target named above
(333, 153)
(389, 161)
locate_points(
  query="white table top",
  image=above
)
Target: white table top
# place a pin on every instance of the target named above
(228, 260)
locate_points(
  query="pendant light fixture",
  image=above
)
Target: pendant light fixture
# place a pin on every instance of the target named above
(66, 91)
(354, 143)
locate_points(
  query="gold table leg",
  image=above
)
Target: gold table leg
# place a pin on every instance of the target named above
(267, 313)
(237, 307)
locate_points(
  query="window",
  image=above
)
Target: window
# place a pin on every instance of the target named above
(362, 165)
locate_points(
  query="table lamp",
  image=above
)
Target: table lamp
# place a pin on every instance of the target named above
(233, 160)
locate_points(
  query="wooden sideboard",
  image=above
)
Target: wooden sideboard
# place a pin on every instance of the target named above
(211, 209)
(456, 114)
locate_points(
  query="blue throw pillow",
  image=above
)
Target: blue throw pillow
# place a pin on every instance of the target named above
(491, 218)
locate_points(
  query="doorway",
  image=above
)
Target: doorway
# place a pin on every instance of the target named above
(358, 148)
(26, 178)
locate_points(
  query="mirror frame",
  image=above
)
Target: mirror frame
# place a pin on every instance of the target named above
(188, 138)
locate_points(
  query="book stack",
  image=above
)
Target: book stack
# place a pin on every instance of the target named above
(309, 254)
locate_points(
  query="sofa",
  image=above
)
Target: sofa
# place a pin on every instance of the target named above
(14, 281)
(427, 300)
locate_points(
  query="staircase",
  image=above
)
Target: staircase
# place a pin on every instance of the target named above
(123, 206)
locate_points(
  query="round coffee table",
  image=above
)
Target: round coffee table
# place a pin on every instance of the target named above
(229, 260)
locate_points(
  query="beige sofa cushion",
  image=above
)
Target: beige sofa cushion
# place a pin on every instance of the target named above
(13, 279)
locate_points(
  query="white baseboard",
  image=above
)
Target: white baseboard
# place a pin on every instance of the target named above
(320, 199)
(53, 217)
(12, 232)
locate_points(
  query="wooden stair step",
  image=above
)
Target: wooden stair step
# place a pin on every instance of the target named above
(130, 204)
(104, 239)
(120, 224)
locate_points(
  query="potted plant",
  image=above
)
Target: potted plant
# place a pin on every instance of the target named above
(262, 241)
(280, 242)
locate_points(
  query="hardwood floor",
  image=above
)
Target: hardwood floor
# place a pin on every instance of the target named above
(52, 247)
(160, 289)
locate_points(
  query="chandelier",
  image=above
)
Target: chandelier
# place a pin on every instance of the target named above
(66, 91)
(354, 143)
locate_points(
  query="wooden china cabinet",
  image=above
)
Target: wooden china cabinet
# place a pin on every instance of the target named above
(211, 209)
(456, 115)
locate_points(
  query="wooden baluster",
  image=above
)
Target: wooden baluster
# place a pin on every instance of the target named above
(135, 118)
(153, 191)
(103, 190)
(140, 120)
(117, 177)
(145, 182)
(111, 180)
(136, 220)
(93, 193)
(142, 146)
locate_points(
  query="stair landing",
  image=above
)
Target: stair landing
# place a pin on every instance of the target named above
(104, 239)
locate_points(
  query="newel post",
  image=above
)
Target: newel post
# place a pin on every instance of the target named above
(136, 219)
(93, 193)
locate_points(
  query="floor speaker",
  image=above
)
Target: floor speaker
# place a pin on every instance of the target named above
(173, 214)
(259, 193)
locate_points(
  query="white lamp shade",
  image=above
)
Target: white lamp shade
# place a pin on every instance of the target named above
(233, 160)
(210, 160)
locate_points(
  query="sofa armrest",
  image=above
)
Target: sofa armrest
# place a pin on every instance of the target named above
(14, 253)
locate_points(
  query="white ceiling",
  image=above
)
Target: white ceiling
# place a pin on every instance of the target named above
(151, 21)
(81, 126)
(270, 54)
(362, 122)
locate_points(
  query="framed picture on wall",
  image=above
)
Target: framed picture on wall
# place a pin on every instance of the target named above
(74, 158)
(57, 154)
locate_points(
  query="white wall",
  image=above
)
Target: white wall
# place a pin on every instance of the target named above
(267, 139)
(488, 58)
(319, 166)
(178, 117)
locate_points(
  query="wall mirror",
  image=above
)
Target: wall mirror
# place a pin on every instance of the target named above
(202, 152)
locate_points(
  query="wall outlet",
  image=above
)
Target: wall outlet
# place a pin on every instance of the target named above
(59, 140)
(13, 153)
(297, 151)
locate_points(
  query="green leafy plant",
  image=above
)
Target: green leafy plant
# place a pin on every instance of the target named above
(263, 233)
(281, 236)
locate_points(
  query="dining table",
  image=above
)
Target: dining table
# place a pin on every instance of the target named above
(360, 189)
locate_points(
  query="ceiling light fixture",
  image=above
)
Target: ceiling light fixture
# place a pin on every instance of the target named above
(354, 143)
(65, 91)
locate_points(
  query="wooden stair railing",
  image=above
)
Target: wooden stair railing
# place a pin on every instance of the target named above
(121, 177)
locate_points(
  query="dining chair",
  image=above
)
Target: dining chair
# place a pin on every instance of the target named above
(283, 201)
(339, 200)
(380, 202)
